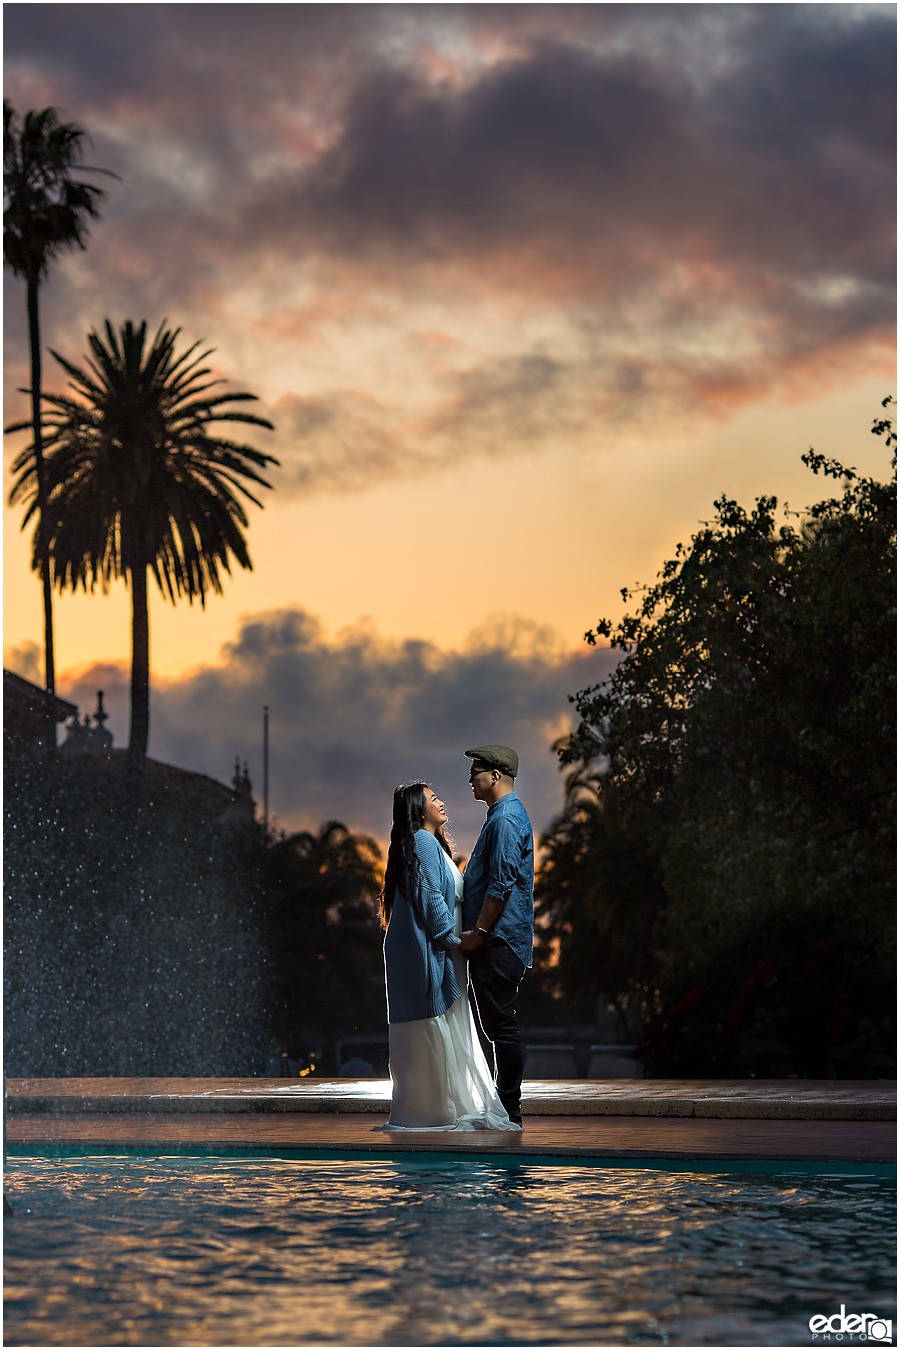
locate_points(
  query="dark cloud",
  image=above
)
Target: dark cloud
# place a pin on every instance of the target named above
(509, 402)
(545, 142)
(805, 99)
(626, 162)
(342, 441)
(352, 716)
(702, 196)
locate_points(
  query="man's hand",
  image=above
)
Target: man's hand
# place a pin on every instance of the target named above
(470, 941)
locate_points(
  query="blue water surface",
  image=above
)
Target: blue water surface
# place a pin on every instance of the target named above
(183, 1251)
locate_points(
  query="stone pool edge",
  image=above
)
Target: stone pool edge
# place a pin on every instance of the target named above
(770, 1099)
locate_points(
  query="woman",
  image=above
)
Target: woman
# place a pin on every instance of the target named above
(441, 1080)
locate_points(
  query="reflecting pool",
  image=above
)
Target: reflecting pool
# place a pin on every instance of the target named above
(210, 1251)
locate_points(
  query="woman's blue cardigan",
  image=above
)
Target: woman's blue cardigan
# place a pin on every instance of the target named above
(418, 971)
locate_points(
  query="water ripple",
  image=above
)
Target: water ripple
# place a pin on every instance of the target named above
(181, 1251)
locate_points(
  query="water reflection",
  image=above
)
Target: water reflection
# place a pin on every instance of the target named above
(179, 1251)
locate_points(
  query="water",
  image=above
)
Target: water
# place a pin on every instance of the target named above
(187, 1251)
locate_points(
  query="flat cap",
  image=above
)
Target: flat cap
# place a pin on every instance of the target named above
(496, 757)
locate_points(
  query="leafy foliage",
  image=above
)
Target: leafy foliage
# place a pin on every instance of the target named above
(745, 745)
(598, 899)
(324, 936)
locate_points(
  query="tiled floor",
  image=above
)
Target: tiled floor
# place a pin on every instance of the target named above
(794, 1120)
(790, 1099)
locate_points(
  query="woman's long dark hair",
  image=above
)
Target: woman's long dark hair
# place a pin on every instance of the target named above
(402, 860)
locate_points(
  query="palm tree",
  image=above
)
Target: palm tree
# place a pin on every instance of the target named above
(45, 212)
(136, 482)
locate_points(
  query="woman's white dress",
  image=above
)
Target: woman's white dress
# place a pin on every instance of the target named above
(440, 1077)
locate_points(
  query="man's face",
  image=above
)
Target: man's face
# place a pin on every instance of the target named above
(482, 779)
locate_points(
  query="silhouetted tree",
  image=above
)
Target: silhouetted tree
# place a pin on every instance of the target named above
(322, 920)
(137, 482)
(45, 212)
(599, 900)
(747, 738)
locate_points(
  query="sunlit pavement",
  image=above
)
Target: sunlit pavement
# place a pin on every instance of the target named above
(740, 1099)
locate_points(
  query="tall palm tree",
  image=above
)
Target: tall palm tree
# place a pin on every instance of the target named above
(137, 482)
(45, 212)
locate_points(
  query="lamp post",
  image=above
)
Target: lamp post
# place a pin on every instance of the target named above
(266, 767)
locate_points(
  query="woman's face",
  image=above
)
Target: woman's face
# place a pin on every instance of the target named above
(435, 815)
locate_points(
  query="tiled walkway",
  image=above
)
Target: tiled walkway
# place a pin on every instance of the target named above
(790, 1099)
(839, 1122)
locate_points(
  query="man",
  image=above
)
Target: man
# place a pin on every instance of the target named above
(498, 913)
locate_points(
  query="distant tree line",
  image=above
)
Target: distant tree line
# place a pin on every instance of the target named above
(724, 866)
(320, 928)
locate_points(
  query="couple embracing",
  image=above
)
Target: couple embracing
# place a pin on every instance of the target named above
(447, 934)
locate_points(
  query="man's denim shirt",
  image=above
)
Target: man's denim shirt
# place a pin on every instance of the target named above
(502, 865)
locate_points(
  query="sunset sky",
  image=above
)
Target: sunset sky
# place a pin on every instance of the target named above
(523, 289)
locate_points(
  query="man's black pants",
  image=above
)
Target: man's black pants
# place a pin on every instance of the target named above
(495, 973)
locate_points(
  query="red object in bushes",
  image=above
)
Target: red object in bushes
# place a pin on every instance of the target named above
(746, 989)
(657, 1042)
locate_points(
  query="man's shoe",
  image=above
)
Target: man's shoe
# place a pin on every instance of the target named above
(516, 1119)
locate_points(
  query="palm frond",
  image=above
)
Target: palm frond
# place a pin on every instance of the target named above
(137, 475)
(46, 209)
